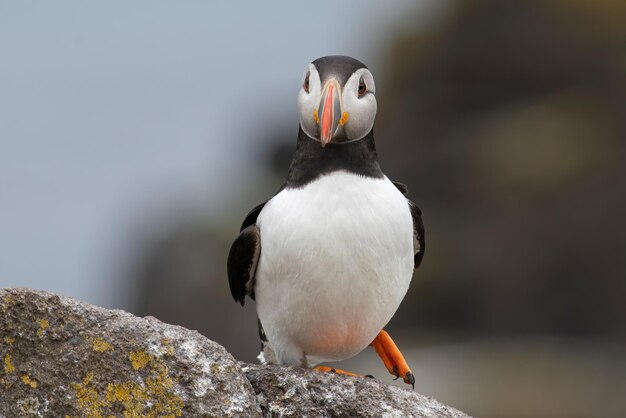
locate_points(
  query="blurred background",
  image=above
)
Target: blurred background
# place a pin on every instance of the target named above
(134, 138)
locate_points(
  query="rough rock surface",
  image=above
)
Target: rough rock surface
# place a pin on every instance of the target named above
(62, 357)
(294, 392)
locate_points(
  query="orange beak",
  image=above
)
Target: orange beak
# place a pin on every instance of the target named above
(329, 111)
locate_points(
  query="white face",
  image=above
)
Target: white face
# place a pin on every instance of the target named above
(308, 101)
(356, 100)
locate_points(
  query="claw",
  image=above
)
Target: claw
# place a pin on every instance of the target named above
(392, 358)
(409, 378)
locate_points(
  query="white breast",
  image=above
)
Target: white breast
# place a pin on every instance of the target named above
(336, 261)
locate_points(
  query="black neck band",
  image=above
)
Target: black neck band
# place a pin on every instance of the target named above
(311, 161)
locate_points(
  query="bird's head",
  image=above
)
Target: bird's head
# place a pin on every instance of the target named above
(336, 101)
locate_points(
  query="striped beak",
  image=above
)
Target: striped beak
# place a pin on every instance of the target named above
(329, 111)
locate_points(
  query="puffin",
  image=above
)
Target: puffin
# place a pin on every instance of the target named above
(329, 258)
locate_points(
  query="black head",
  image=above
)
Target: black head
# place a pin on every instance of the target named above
(339, 66)
(337, 101)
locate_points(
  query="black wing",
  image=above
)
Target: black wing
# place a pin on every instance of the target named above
(244, 255)
(419, 242)
(242, 261)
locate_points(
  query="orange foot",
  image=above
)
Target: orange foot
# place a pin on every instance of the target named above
(392, 357)
(339, 371)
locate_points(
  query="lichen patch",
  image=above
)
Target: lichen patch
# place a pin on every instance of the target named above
(27, 380)
(100, 346)
(89, 401)
(8, 366)
(168, 346)
(139, 359)
(29, 406)
(43, 326)
(152, 397)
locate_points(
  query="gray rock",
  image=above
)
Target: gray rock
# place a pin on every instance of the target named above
(295, 392)
(62, 357)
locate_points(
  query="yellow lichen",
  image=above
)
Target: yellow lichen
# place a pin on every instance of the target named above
(89, 401)
(139, 359)
(169, 347)
(8, 300)
(8, 340)
(151, 398)
(43, 325)
(159, 387)
(8, 366)
(99, 345)
(29, 381)
(131, 395)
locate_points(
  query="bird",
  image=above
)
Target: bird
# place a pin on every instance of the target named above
(329, 258)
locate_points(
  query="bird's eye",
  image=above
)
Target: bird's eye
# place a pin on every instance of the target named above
(362, 87)
(306, 81)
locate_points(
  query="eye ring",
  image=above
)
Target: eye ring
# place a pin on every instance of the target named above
(305, 85)
(362, 90)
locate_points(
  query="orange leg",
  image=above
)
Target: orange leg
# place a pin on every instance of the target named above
(333, 370)
(392, 357)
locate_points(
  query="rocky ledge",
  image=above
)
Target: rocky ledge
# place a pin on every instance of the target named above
(63, 358)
